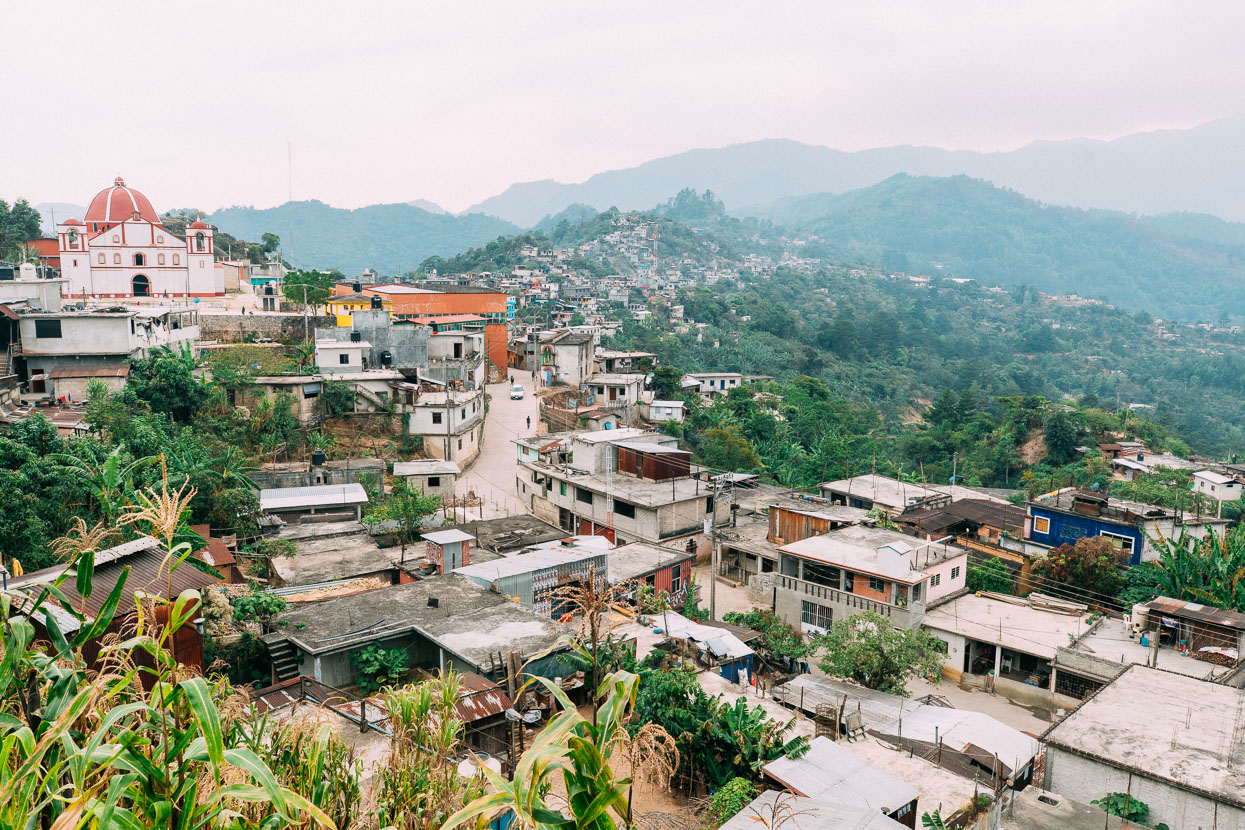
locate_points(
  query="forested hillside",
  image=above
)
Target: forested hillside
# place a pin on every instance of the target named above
(892, 346)
(392, 239)
(1180, 265)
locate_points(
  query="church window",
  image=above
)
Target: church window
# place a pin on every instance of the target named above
(75, 263)
(199, 242)
(160, 258)
(116, 238)
(101, 259)
(159, 240)
(140, 260)
(73, 239)
(200, 263)
(116, 259)
(177, 260)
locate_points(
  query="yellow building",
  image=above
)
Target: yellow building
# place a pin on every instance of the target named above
(342, 306)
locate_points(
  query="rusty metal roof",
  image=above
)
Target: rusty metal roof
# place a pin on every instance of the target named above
(1198, 612)
(480, 698)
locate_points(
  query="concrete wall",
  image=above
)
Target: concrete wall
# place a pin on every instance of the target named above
(334, 472)
(407, 344)
(233, 328)
(790, 595)
(1085, 779)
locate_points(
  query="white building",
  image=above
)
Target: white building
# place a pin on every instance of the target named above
(616, 389)
(1216, 486)
(664, 411)
(122, 250)
(715, 383)
(433, 477)
(335, 357)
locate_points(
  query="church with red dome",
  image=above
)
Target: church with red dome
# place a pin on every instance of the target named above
(120, 250)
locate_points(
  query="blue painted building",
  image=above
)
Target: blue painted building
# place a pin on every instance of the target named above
(1063, 517)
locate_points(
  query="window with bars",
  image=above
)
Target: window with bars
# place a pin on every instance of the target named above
(818, 615)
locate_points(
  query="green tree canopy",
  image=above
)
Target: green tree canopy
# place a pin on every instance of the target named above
(866, 648)
(19, 224)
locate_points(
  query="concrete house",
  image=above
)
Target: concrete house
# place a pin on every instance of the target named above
(536, 575)
(434, 477)
(717, 383)
(1216, 486)
(861, 568)
(99, 336)
(1170, 741)
(616, 389)
(564, 358)
(658, 411)
(443, 622)
(625, 484)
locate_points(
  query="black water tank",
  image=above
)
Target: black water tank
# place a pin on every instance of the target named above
(358, 287)
(356, 337)
(318, 458)
(386, 358)
(377, 303)
(7, 272)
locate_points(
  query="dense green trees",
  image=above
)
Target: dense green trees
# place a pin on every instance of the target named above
(717, 740)
(19, 224)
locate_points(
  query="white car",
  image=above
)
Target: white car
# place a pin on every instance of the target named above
(516, 392)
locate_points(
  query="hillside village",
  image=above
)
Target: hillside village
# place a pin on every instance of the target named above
(440, 519)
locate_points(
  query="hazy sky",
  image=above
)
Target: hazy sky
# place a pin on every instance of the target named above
(453, 101)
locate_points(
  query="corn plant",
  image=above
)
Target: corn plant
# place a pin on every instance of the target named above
(81, 749)
(419, 784)
(580, 750)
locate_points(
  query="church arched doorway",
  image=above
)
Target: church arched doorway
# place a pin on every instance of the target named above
(142, 286)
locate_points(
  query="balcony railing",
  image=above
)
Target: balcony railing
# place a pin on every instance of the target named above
(834, 595)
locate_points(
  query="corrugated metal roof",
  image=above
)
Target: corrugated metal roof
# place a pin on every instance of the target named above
(148, 572)
(721, 643)
(537, 560)
(319, 495)
(1201, 613)
(90, 371)
(809, 814)
(830, 772)
(479, 698)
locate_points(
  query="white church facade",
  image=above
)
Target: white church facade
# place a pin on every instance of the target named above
(120, 249)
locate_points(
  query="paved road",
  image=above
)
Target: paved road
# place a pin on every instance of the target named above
(492, 474)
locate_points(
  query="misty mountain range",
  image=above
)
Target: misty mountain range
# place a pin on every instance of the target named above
(1157, 172)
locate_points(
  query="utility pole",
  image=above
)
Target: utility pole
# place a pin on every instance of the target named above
(713, 542)
(306, 321)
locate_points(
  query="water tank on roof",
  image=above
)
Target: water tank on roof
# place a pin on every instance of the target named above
(29, 271)
(318, 458)
(377, 303)
(7, 272)
(386, 358)
(356, 337)
(358, 287)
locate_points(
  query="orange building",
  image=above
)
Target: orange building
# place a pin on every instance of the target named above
(409, 302)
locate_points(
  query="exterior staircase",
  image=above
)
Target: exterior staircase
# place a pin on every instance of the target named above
(284, 666)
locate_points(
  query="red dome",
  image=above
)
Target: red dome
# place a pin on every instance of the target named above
(118, 203)
(197, 225)
(71, 221)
